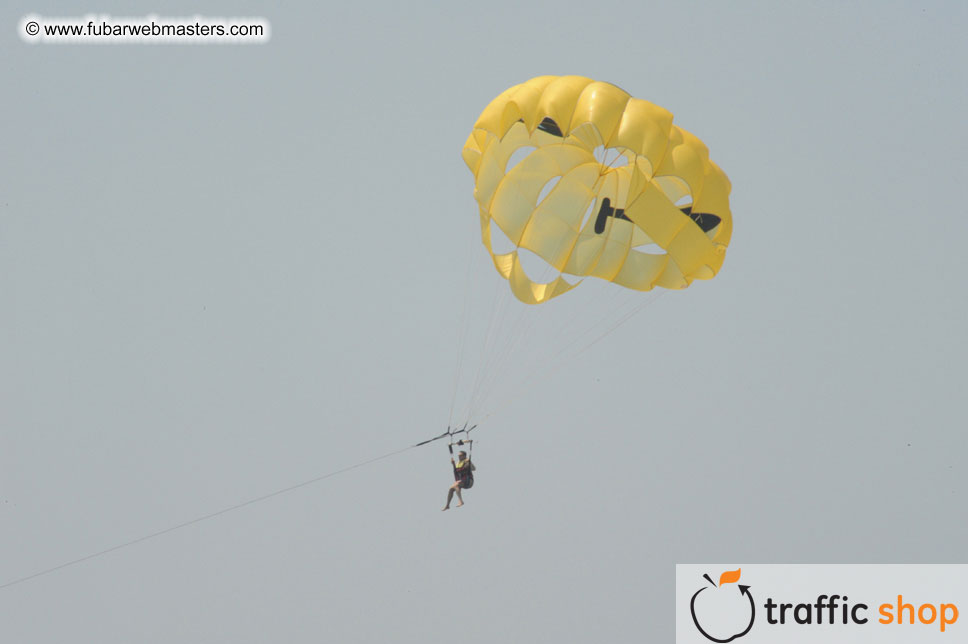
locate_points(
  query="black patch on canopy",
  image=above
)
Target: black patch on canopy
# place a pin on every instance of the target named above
(548, 125)
(605, 212)
(704, 220)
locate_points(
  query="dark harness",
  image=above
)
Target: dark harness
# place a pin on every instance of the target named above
(464, 475)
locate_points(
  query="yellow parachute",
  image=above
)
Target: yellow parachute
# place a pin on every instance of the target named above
(656, 215)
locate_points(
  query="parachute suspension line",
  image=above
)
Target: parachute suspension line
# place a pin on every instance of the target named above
(512, 327)
(521, 350)
(530, 382)
(516, 347)
(626, 312)
(493, 316)
(479, 328)
(211, 515)
(496, 313)
(531, 363)
(632, 312)
(526, 366)
(514, 331)
(580, 338)
(462, 334)
(467, 382)
(517, 325)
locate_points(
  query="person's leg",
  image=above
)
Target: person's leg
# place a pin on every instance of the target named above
(460, 499)
(450, 495)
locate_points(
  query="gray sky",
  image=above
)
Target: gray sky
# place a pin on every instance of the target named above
(226, 270)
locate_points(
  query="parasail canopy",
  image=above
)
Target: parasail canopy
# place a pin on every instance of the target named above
(592, 182)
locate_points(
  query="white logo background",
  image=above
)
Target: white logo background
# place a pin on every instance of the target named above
(724, 611)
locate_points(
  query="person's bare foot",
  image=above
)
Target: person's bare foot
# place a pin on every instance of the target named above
(446, 508)
(461, 504)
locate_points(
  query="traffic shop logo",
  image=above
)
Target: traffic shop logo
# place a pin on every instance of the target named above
(723, 612)
(726, 611)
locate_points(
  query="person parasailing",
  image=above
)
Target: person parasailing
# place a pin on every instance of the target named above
(463, 478)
